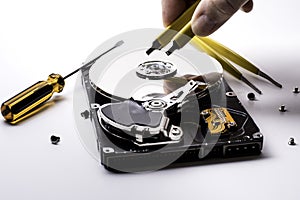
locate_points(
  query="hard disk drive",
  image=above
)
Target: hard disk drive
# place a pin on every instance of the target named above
(153, 112)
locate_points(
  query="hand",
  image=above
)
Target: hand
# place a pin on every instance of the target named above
(209, 14)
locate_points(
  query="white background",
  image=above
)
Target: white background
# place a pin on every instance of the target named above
(41, 37)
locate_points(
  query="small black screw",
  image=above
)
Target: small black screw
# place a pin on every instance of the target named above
(282, 108)
(55, 139)
(251, 96)
(292, 141)
(85, 114)
(296, 90)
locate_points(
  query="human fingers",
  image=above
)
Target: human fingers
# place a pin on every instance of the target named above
(211, 14)
(248, 6)
(171, 9)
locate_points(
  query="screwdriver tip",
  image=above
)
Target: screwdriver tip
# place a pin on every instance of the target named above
(173, 48)
(251, 85)
(119, 43)
(149, 51)
(277, 84)
(264, 75)
(169, 52)
(256, 89)
(155, 45)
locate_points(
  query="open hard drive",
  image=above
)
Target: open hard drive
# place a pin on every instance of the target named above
(154, 112)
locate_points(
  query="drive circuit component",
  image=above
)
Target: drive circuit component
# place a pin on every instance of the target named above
(218, 120)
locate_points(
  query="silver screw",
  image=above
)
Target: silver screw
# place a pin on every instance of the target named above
(257, 135)
(108, 150)
(204, 113)
(296, 90)
(247, 137)
(282, 108)
(232, 124)
(176, 131)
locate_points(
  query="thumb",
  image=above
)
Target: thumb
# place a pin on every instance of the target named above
(211, 14)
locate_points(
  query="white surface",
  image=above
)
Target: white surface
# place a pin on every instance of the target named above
(40, 37)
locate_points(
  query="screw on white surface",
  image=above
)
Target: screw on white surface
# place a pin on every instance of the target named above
(296, 90)
(251, 96)
(282, 108)
(292, 141)
(55, 139)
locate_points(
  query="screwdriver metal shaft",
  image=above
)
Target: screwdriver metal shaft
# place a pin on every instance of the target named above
(199, 44)
(237, 59)
(95, 59)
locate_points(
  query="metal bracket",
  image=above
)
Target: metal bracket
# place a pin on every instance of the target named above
(171, 99)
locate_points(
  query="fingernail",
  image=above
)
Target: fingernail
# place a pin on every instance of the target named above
(203, 26)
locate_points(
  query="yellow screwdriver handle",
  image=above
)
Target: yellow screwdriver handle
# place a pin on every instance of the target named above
(184, 35)
(178, 24)
(31, 98)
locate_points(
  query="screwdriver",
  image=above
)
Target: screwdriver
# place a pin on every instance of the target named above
(237, 59)
(31, 99)
(166, 36)
(211, 47)
(182, 38)
(199, 44)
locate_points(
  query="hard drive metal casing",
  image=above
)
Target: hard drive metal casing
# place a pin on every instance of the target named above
(114, 157)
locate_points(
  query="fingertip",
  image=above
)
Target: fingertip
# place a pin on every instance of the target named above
(171, 9)
(247, 7)
(203, 25)
(210, 15)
